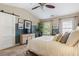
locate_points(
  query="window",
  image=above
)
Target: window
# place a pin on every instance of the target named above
(67, 25)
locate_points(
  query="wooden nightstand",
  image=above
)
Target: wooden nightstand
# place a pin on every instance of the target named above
(25, 37)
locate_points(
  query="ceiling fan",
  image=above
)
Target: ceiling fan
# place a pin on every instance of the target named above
(42, 6)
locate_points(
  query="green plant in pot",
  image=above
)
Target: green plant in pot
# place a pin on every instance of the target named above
(39, 29)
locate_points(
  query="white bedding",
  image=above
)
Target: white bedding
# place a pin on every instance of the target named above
(46, 46)
(44, 38)
(38, 44)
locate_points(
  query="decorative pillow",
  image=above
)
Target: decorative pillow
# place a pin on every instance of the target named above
(64, 37)
(57, 37)
(76, 44)
(73, 38)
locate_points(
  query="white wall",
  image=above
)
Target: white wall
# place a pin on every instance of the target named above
(21, 12)
(56, 21)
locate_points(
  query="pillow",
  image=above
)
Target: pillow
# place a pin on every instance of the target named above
(57, 37)
(76, 44)
(64, 37)
(73, 38)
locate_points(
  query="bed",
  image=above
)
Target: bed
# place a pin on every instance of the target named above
(46, 46)
(35, 44)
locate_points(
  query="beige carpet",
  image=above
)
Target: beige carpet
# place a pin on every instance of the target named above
(14, 51)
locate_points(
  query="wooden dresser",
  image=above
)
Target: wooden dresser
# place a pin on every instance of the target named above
(25, 37)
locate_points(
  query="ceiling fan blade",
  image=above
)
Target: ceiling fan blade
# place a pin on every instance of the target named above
(35, 7)
(50, 6)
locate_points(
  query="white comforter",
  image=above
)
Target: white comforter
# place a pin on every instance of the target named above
(44, 38)
(46, 46)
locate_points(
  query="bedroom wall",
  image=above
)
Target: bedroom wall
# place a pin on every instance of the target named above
(21, 12)
(24, 14)
(56, 21)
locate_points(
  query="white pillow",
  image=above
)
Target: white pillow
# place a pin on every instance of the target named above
(57, 37)
(73, 38)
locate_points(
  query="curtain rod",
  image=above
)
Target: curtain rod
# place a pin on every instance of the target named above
(9, 13)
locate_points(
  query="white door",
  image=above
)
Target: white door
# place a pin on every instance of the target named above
(7, 30)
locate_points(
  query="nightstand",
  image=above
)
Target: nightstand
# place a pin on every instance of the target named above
(25, 37)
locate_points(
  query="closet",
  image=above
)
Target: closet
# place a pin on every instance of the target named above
(7, 30)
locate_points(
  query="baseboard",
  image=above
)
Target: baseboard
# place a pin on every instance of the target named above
(17, 44)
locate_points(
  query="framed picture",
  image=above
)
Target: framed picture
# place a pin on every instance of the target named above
(28, 24)
(20, 25)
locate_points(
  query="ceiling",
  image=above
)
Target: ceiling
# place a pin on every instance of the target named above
(45, 13)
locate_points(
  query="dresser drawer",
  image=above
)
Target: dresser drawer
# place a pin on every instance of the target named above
(26, 37)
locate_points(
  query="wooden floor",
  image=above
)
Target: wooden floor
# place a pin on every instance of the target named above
(14, 51)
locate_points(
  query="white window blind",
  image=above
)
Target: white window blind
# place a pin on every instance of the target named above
(67, 25)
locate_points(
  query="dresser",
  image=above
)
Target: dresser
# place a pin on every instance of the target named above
(25, 37)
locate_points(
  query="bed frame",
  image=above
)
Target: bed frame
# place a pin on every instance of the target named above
(28, 52)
